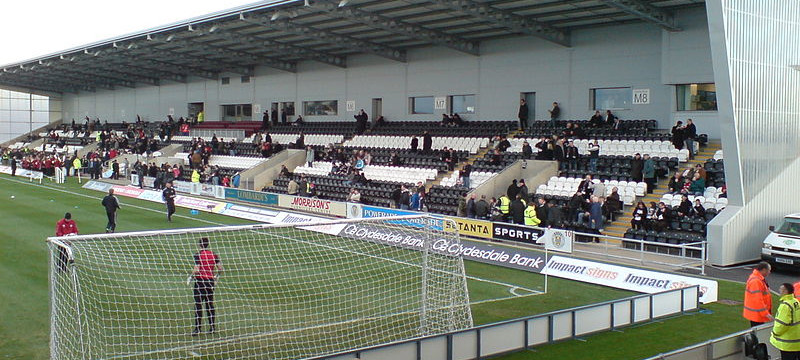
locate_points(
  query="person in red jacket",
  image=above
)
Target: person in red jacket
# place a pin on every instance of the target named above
(66, 226)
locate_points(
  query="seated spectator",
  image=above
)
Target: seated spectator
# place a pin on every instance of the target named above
(354, 196)
(497, 158)
(639, 216)
(676, 184)
(503, 145)
(456, 119)
(577, 204)
(661, 217)
(699, 210)
(527, 151)
(685, 207)
(445, 120)
(613, 203)
(585, 186)
(651, 215)
(687, 183)
(292, 187)
(568, 131)
(312, 190)
(698, 169)
(698, 185)
(596, 120)
(285, 171)
(724, 191)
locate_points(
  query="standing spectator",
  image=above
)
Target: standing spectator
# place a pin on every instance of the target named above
(586, 186)
(396, 193)
(571, 155)
(292, 187)
(786, 329)
(555, 112)
(518, 210)
(361, 121)
(757, 299)
(427, 143)
(14, 165)
(414, 144)
(513, 189)
(558, 151)
(594, 155)
(302, 186)
(531, 218)
(637, 165)
(504, 206)
(678, 135)
(168, 195)
(523, 114)
(111, 204)
(461, 211)
(471, 207)
(555, 215)
(599, 189)
(649, 173)
(690, 133)
(265, 120)
(115, 170)
(465, 173)
(482, 208)
(576, 205)
(309, 155)
(541, 211)
(639, 216)
(523, 191)
(416, 200)
(405, 198)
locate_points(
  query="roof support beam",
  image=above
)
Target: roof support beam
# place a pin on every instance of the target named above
(396, 26)
(323, 35)
(73, 72)
(143, 58)
(253, 59)
(645, 12)
(304, 52)
(29, 78)
(507, 19)
(34, 86)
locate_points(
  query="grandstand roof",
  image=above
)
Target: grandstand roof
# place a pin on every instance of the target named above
(281, 33)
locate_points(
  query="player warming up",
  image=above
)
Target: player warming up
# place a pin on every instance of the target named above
(111, 204)
(169, 198)
(207, 268)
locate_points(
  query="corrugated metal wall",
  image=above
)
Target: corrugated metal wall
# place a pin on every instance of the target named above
(754, 46)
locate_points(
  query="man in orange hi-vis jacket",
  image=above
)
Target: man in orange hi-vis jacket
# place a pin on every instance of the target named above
(757, 299)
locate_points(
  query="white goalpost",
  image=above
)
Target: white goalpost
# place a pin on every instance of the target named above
(281, 291)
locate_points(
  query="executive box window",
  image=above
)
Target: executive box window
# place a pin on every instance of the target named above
(324, 107)
(696, 97)
(421, 105)
(462, 104)
(237, 112)
(225, 80)
(612, 98)
(245, 79)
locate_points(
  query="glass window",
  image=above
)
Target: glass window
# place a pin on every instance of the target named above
(237, 112)
(696, 97)
(462, 104)
(790, 226)
(422, 105)
(612, 98)
(245, 79)
(324, 107)
(288, 108)
(225, 80)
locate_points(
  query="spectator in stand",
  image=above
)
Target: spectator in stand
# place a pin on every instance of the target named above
(522, 114)
(585, 186)
(687, 184)
(414, 144)
(723, 191)
(293, 187)
(464, 174)
(699, 210)
(577, 131)
(594, 217)
(482, 208)
(396, 196)
(639, 216)
(518, 210)
(555, 112)
(302, 186)
(575, 205)
(513, 189)
(685, 207)
(698, 185)
(523, 190)
(405, 198)
(649, 173)
(361, 121)
(497, 158)
(610, 118)
(427, 143)
(285, 172)
(662, 217)
(571, 155)
(651, 216)
(416, 200)
(637, 165)
(115, 170)
(495, 214)
(461, 210)
(596, 120)
(690, 133)
(503, 145)
(309, 156)
(555, 215)
(558, 150)
(540, 206)
(698, 169)
(354, 196)
(594, 155)
(527, 151)
(545, 149)
(599, 189)
(613, 203)
(617, 127)
(471, 211)
(677, 135)
(675, 184)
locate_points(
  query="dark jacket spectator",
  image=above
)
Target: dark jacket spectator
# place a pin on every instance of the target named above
(637, 165)
(512, 190)
(427, 142)
(678, 135)
(541, 212)
(414, 144)
(517, 210)
(527, 151)
(482, 208)
(471, 207)
(555, 215)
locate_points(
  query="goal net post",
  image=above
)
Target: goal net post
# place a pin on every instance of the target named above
(281, 291)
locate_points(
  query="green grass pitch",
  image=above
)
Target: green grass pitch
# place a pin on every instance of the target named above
(496, 293)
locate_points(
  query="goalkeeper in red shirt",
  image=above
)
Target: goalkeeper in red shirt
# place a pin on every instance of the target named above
(207, 267)
(64, 227)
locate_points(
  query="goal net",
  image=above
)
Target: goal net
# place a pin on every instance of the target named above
(281, 292)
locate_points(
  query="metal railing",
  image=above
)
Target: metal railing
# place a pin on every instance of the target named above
(726, 347)
(226, 134)
(523, 333)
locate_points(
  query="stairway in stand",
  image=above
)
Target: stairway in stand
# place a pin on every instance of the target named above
(623, 222)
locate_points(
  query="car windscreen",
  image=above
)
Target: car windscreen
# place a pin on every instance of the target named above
(790, 226)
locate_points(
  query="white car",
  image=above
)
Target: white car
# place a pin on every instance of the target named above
(782, 246)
